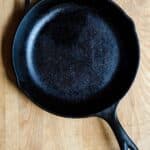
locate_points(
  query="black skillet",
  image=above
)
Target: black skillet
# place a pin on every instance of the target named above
(77, 58)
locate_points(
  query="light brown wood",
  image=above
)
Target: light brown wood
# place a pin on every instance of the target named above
(24, 126)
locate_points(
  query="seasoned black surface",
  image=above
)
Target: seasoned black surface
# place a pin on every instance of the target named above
(83, 69)
(74, 54)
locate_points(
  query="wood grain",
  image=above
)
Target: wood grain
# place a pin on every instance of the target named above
(24, 126)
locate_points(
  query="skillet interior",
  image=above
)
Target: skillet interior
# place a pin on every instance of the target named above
(75, 58)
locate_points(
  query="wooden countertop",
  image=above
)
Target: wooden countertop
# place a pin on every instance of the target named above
(24, 126)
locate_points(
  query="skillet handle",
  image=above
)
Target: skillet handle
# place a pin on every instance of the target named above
(110, 116)
(27, 4)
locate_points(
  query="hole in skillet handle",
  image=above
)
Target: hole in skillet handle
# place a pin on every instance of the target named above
(110, 116)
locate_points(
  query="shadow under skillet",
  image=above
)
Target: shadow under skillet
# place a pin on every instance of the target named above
(8, 37)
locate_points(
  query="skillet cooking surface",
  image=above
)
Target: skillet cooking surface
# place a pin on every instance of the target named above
(74, 59)
(72, 53)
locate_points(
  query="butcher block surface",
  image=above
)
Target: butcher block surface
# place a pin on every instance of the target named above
(24, 126)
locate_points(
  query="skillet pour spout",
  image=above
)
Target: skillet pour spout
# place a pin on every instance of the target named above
(77, 58)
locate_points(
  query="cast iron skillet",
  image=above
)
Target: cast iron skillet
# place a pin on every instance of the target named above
(77, 58)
